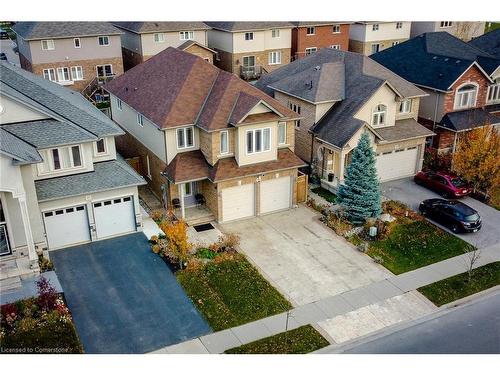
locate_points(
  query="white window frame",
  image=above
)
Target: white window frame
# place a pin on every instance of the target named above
(377, 49)
(49, 44)
(159, 37)
(140, 119)
(104, 66)
(249, 35)
(282, 125)
(379, 115)
(74, 73)
(310, 30)
(186, 35)
(105, 144)
(493, 94)
(405, 106)
(375, 27)
(335, 46)
(395, 43)
(275, 33)
(459, 96)
(62, 69)
(75, 40)
(445, 24)
(336, 29)
(277, 58)
(103, 38)
(119, 104)
(311, 50)
(184, 132)
(48, 160)
(224, 150)
(47, 72)
(399, 25)
(254, 133)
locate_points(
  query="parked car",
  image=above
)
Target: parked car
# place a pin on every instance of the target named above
(453, 214)
(444, 183)
(3, 56)
(3, 34)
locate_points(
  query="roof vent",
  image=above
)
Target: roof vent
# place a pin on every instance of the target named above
(317, 67)
(440, 75)
(435, 58)
(446, 59)
(458, 61)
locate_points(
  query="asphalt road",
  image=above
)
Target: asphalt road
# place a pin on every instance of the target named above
(473, 328)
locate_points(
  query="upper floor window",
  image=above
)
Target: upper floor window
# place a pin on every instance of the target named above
(103, 40)
(248, 36)
(185, 137)
(140, 119)
(186, 35)
(60, 159)
(399, 25)
(258, 140)
(311, 30)
(119, 104)
(282, 133)
(310, 50)
(224, 142)
(494, 93)
(274, 57)
(336, 29)
(294, 107)
(375, 47)
(77, 42)
(100, 147)
(375, 27)
(379, 115)
(50, 74)
(275, 33)
(405, 106)
(466, 96)
(159, 37)
(48, 44)
(335, 46)
(444, 24)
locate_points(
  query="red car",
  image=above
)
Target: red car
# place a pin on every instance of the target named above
(445, 183)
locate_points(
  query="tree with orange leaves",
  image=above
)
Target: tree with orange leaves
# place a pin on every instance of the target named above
(178, 247)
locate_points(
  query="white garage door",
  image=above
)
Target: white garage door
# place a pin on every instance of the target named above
(114, 217)
(275, 194)
(397, 164)
(238, 202)
(66, 226)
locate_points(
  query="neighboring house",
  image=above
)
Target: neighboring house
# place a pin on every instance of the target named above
(371, 37)
(489, 42)
(340, 95)
(462, 82)
(142, 40)
(206, 137)
(79, 55)
(462, 30)
(61, 181)
(250, 49)
(309, 37)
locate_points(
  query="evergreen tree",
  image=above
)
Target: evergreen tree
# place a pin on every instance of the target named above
(360, 193)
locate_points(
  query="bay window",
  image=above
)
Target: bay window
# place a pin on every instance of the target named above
(258, 140)
(185, 138)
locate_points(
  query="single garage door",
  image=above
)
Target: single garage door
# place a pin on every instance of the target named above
(238, 202)
(66, 226)
(397, 164)
(275, 194)
(114, 216)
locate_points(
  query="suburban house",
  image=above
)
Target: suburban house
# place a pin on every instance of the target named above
(371, 37)
(80, 55)
(462, 30)
(489, 42)
(212, 146)
(62, 182)
(308, 37)
(250, 49)
(340, 95)
(141, 40)
(462, 83)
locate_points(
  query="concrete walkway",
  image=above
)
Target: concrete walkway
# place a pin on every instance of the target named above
(331, 307)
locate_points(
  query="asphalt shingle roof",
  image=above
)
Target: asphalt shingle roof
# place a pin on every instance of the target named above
(155, 27)
(54, 30)
(19, 150)
(489, 42)
(468, 119)
(404, 129)
(248, 25)
(107, 175)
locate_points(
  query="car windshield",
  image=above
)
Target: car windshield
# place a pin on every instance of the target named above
(458, 182)
(473, 217)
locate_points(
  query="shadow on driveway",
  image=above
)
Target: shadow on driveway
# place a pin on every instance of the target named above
(124, 298)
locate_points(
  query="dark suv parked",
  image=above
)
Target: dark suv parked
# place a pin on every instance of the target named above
(453, 214)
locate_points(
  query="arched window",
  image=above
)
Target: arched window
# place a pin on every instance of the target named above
(379, 115)
(466, 96)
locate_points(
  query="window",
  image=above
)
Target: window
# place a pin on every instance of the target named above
(466, 96)
(224, 142)
(140, 119)
(275, 33)
(336, 29)
(375, 47)
(63, 74)
(258, 140)
(159, 37)
(48, 45)
(405, 106)
(75, 156)
(311, 31)
(335, 46)
(395, 43)
(119, 104)
(248, 36)
(104, 70)
(379, 113)
(77, 43)
(49, 74)
(185, 137)
(76, 73)
(494, 92)
(274, 57)
(186, 35)
(294, 107)
(103, 40)
(310, 50)
(446, 24)
(60, 159)
(375, 27)
(399, 25)
(100, 146)
(282, 133)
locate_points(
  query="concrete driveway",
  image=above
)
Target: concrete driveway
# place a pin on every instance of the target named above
(408, 192)
(124, 298)
(301, 257)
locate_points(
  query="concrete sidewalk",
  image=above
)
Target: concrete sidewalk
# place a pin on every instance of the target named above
(330, 307)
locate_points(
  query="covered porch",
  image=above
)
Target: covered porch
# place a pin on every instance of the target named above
(189, 202)
(332, 165)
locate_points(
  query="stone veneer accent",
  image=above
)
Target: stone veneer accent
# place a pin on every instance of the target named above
(366, 47)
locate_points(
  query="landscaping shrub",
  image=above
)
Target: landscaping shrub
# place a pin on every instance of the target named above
(323, 209)
(228, 242)
(338, 223)
(45, 264)
(157, 215)
(175, 247)
(205, 253)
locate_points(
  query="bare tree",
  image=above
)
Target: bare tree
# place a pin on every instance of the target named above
(472, 255)
(468, 30)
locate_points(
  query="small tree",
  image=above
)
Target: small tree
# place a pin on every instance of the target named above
(360, 193)
(178, 247)
(472, 255)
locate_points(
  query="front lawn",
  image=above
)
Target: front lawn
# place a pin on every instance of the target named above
(301, 340)
(458, 286)
(328, 195)
(230, 292)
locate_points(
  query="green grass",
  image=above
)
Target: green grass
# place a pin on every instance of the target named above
(493, 26)
(456, 287)
(231, 293)
(298, 341)
(329, 196)
(414, 244)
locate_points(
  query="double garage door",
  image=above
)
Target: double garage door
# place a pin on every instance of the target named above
(397, 164)
(70, 225)
(239, 202)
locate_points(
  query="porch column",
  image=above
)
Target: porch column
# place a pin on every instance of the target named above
(27, 229)
(181, 198)
(341, 166)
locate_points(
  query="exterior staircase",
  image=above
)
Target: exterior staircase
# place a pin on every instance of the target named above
(95, 87)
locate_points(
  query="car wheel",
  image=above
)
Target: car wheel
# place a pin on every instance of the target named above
(423, 211)
(455, 229)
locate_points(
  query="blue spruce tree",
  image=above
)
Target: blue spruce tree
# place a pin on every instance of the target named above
(360, 194)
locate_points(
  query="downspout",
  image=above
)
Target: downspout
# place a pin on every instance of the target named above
(435, 117)
(312, 153)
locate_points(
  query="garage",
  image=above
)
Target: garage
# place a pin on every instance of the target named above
(275, 194)
(238, 202)
(396, 164)
(114, 216)
(66, 226)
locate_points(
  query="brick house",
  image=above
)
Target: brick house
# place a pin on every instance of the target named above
(461, 80)
(374, 36)
(73, 54)
(142, 40)
(212, 146)
(308, 37)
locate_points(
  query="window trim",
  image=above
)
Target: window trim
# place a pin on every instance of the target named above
(493, 87)
(458, 94)
(104, 65)
(102, 37)
(75, 68)
(140, 119)
(282, 124)
(250, 35)
(399, 25)
(310, 28)
(376, 27)
(190, 35)
(160, 40)
(254, 132)
(184, 136)
(275, 53)
(275, 33)
(402, 106)
(311, 50)
(106, 149)
(79, 43)
(378, 48)
(48, 160)
(62, 69)
(54, 74)
(334, 27)
(119, 104)
(445, 24)
(335, 46)
(221, 151)
(377, 112)
(48, 40)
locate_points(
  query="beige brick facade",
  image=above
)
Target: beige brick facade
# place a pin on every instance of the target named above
(365, 48)
(232, 62)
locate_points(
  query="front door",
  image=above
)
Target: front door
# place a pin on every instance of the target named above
(4, 238)
(249, 64)
(189, 191)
